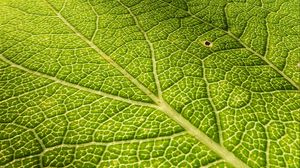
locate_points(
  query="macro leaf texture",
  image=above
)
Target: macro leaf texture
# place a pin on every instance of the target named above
(150, 83)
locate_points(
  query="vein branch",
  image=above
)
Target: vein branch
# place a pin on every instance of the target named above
(214, 108)
(266, 60)
(245, 46)
(78, 87)
(157, 82)
(103, 55)
(161, 104)
(202, 137)
(251, 50)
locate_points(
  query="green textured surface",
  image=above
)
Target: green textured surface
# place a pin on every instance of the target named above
(132, 83)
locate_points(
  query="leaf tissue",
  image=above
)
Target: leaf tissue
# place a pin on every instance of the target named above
(150, 83)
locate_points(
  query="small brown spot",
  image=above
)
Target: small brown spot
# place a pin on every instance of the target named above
(207, 43)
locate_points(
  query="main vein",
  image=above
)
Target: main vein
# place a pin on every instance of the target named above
(161, 104)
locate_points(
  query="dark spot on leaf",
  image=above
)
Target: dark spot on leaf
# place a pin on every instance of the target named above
(207, 43)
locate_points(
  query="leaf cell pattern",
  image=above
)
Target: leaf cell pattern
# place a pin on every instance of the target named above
(132, 83)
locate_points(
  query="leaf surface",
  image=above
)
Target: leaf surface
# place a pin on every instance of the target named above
(149, 83)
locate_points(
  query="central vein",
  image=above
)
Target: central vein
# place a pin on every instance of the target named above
(161, 104)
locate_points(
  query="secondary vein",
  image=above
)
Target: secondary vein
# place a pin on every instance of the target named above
(245, 46)
(68, 84)
(161, 104)
(103, 55)
(214, 107)
(157, 82)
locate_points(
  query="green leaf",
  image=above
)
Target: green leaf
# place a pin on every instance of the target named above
(149, 83)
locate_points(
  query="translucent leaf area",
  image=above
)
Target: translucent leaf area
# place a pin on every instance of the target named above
(150, 83)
